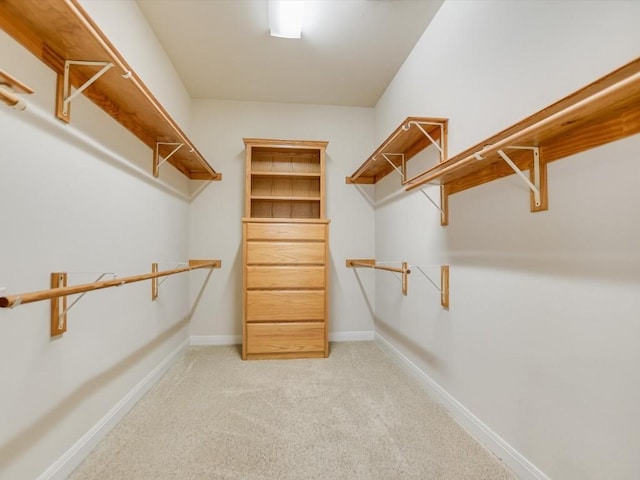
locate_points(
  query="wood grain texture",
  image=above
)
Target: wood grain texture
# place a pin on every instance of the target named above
(284, 179)
(285, 277)
(285, 231)
(285, 305)
(285, 253)
(58, 305)
(58, 30)
(407, 139)
(277, 338)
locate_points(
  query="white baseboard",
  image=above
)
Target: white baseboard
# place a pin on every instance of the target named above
(197, 340)
(360, 336)
(63, 467)
(522, 467)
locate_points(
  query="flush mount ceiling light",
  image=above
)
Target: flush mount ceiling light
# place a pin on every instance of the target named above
(285, 18)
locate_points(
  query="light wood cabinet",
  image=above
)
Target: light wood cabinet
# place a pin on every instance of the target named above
(285, 251)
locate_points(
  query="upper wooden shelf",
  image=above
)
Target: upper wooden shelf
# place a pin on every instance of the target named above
(57, 31)
(410, 138)
(602, 112)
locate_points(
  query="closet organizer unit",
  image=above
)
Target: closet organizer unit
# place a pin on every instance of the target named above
(285, 247)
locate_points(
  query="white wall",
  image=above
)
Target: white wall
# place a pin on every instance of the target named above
(540, 342)
(76, 206)
(216, 212)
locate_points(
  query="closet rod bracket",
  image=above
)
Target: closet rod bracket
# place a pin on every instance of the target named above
(64, 96)
(371, 263)
(537, 183)
(443, 288)
(156, 155)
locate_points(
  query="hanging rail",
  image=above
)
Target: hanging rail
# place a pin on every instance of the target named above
(59, 291)
(9, 88)
(12, 301)
(371, 263)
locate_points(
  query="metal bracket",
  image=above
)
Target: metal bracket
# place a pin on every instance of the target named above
(64, 95)
(443, 208)
(443, 288)
(156, 282)
(59, 307)
(371, 263)
(426, 134)
(535, 185)
(156, 155)
(403, 170)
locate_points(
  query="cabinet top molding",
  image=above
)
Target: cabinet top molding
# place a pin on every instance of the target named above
(56, 31)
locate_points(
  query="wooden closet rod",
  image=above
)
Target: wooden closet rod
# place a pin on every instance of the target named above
(15, 300)
(9, 98)
(371, 263)
(355, 263)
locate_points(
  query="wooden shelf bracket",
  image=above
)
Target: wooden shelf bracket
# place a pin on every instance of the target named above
(59, 308)
(405, 144)
(64, 96)
(443, 207)
(156, 155)
(443, 288)
(371, 263)
(156, 282)
(538, 189)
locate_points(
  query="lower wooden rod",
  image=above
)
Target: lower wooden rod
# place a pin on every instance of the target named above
(379, 267)
(15, 300)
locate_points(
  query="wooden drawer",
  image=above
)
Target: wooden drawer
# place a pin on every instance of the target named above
(285, 277)
(287, 305)
(291, 253)
(285, 231)
(274, 338)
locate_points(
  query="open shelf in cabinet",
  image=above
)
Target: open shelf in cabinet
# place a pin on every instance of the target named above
(285, 179)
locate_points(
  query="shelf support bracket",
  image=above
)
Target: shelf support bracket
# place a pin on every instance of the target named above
(538, 173)
(426, 134)
(59, 308)
(63, 92)
(371, 263)
(156, 282)
(443, 288)
(156, 156)
(401, 171)
(443, 208)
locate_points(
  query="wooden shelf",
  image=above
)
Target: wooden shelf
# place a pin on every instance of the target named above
(284, 179)
(602, 112)
(56, 31)
(284, 198)
(406, 141)
(285, 174)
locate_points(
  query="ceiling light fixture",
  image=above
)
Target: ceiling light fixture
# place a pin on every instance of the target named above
(285, 18)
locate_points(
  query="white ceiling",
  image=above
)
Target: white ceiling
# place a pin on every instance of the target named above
(349, 52)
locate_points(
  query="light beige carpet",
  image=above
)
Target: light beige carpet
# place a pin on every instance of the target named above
(355, 415)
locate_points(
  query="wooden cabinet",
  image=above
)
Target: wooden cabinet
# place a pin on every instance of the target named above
(285, 251)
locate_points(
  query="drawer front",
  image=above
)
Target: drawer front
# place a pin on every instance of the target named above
(285, 277)
(290, 305)
(285, 338)
(285, 231)
(292, 253)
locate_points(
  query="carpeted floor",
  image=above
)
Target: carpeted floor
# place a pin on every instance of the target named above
(355, 415)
